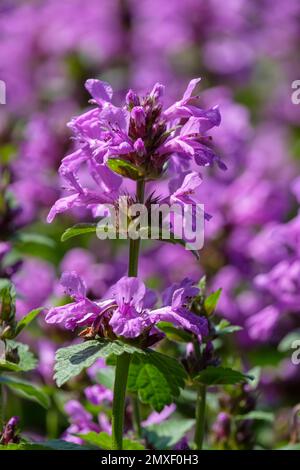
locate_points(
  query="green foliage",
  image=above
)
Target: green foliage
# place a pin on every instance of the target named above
(221, 376)
(78, 229)
(54, 444)
(72, 360)
(175, 334)
(126, 169)
(168, 433)
(257, 415)
(7, 300)
(104, 441)
(18, 357)
(27, 238)
(26, 389)
(225, 328)
(106, 377)
(210, 303)
(27, 319)
(156, 378)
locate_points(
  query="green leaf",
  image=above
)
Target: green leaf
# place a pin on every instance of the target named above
(156, 378)
(53, 444)
(167, 433)
(221, 376)
(78, 229)
(104, 441)
(27, 320)
(7, 300)
(58, 444)
(257, 415)
(286, 344)
(26, 389)
(174, 334)
(126, 169)
(225, 328)
(106, 377)
(211, 301)
(24, 359)
(72, 360)
(23, 238)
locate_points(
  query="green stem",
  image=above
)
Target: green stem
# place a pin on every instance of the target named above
(134, 251)
(136, 416)
(122, 368)
(200, 417)
(123, 361)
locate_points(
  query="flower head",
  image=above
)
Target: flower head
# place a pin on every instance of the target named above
(128, 312)
(140, 133)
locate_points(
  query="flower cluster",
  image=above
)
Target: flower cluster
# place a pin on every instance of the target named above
(128, 312)
(140, 133)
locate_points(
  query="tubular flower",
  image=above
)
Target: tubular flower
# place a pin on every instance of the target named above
(128, 312)
(140, 134)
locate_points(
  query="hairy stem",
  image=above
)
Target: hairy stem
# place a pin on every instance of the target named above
(122, 368)
(200, 416)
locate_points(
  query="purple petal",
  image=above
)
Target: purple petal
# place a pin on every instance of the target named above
(100, 91)
(73, 285)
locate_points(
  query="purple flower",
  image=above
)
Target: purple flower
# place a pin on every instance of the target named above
(261, 325)
(81, 312)
(129, 310)
(156, 418)
(283, 282)
(9, 432)
(96, 394)
(140, 133)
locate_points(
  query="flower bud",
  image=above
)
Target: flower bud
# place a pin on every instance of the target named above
(139, 147)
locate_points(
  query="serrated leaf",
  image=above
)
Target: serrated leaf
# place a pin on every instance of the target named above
(153, 387)
(78, 229)
(257, 415)
(27, 320)
(104, 441)
(28, 390)
(123, 168)
(168, 433)
(72, 360)
(26, 360)
(211, 301)
(175, 334)
(225, 328)
(156, 378)
(221, 376)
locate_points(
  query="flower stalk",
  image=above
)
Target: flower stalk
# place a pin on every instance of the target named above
(200, 417)
(122, 368)
(123, 361)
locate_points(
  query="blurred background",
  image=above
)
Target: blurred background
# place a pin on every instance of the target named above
(247, 54)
